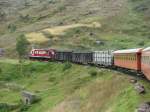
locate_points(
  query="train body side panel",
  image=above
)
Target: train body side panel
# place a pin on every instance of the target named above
(103, 58)
(129, 61)
(83, 58)
(145, 64)
(63, 56)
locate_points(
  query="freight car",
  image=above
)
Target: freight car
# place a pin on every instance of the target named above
(130, 59)
(63, 56)
(42, 54)
(82, 57)
(145, 63)
(103, 58)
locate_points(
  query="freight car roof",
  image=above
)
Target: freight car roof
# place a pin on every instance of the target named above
(43, 49)
(128, 51)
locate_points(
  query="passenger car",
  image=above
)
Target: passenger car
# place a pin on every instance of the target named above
(145, 63)
(129, 58)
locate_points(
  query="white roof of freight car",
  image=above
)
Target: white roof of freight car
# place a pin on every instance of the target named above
(146, 49)
(128, 51)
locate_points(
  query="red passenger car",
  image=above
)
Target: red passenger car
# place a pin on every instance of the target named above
(146, 62)
(130, 59)
(42, 54)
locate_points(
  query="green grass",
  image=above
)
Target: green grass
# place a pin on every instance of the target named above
(64, 84)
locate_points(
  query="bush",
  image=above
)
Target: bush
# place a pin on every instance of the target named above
(1, 70)
(51, 1)
(142, 43)
(47, 34)
(4, 107)
(52, 79)
(25, 18)
(12, 27)
(67, 65)
(24, 108)
(61, 8)
(93, 73)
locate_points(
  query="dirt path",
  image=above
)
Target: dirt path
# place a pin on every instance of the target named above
(39, 37)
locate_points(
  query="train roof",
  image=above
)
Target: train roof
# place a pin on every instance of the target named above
(82, 51)
(104, 51)
(146, 49)
(128, 51)
(43, 49)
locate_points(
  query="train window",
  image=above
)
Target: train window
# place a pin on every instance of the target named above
(133, 58)
(35, 52)
(43, 52)
(144, 59)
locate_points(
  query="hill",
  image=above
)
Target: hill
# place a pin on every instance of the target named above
(68, 88)
(123, 23)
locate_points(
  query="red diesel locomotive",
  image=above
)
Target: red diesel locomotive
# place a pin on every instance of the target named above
(42, 54)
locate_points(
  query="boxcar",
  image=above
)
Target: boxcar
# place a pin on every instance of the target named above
(145, 63)
(63, 56)
(82, 57)
(103, 58)
(42, 54)
(130, 59)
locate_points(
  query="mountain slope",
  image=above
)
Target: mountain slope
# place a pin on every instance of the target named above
(124, 24)
(69, 88)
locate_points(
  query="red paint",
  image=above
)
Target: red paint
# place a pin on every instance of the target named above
(146, 64)
(42, 53)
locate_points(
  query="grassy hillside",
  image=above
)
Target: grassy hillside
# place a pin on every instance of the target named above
(69, 88)
(64, 24)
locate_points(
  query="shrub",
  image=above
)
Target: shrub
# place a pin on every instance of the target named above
(93, 73)
(52, 79)
(12, 27)
(24, 108)
(47, 34)
(61, 8)
(4, 108)
(0, 70)
(142, 43)
(67, 65)
(51, 1)
(25, 18)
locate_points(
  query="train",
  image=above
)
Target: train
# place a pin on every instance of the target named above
(137, 59)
